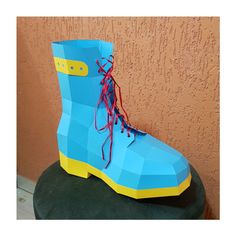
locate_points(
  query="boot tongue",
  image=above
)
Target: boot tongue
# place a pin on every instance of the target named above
(132, 128)
(109, 97)
(117, 111)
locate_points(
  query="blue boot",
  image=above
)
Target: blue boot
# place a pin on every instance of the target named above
(94, 137)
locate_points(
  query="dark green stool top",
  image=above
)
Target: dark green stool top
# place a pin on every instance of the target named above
(59, 195)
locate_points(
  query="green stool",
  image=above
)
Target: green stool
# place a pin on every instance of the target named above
(59, 195)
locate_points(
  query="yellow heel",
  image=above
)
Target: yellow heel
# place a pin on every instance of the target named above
(74, 167)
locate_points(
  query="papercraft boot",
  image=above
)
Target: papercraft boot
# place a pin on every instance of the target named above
(95, 138)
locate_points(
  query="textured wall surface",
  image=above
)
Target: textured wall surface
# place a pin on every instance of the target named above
(168, 69)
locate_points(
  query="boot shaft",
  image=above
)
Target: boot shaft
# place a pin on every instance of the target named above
(77, 71)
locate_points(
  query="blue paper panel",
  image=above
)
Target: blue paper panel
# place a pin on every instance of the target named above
(130, 159)
(157, 181)
(76, 151)
(182, 169)
(118, 136)
(130, 179)
(89, 92)
(181, 174)
(96, 140)
(79, 89)
(83, 114)
(62, 142)
(67, 106)
(119, 150)
(64, 84)
(95, 160)
(64, 125)
(149, 141)
(78, 132)
(114, 172)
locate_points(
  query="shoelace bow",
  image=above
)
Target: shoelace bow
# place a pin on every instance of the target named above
(108, 96)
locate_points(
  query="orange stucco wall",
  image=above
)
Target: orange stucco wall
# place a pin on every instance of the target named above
(168, 69)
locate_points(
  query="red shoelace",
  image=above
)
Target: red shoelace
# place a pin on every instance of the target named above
(108, 96)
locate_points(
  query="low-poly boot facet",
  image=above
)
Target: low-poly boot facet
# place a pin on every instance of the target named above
(94, 137)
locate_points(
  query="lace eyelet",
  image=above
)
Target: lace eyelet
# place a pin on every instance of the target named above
(122, 131)
(128, 135)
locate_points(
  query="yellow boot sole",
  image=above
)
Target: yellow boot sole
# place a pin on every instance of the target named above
(84, 170)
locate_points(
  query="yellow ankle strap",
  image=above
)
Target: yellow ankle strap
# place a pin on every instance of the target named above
(71, 67)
